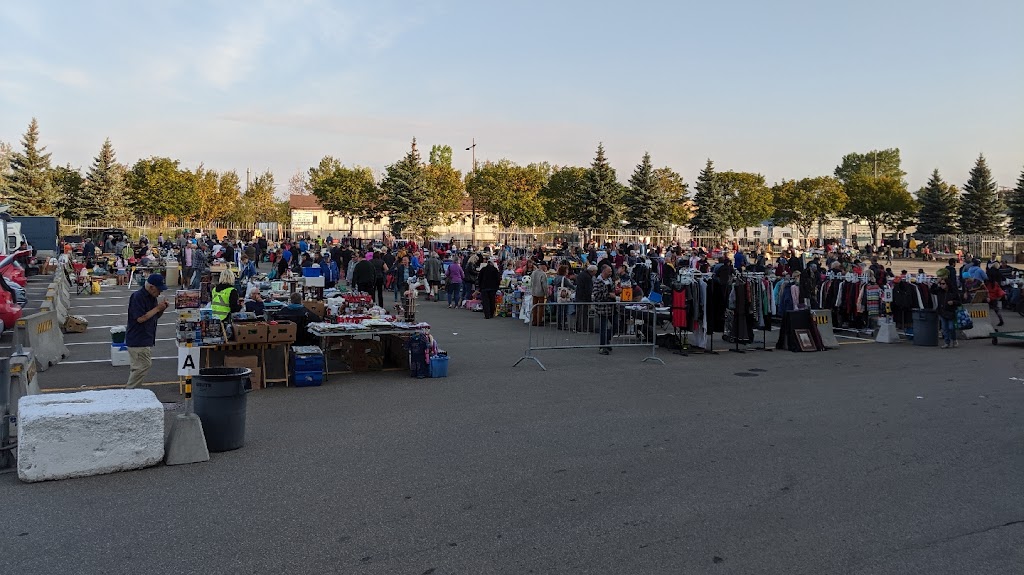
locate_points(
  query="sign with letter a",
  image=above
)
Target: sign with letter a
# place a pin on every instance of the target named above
(188, 361)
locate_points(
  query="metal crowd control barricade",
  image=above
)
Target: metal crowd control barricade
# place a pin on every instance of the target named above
(592, 326)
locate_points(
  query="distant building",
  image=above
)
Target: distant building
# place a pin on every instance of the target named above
(310, 218)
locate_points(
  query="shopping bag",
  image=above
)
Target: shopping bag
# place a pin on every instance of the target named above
(887, 332)
(963, 319)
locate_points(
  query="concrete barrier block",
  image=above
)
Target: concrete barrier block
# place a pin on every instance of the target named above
(983, 327)
(41, 332)
(63, 435)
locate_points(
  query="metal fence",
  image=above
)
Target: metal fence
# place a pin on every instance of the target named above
(600, 326)
(152, 228)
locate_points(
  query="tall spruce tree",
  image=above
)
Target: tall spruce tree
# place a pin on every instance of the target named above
(31, 191)
(981, 209)
(647, 205)
(1015, 205)
(939, 201)
(6, 153)
(602, 194)
(104, 187)
(405, 190)
(710, 217)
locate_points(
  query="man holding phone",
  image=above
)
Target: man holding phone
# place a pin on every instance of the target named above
(144, 309)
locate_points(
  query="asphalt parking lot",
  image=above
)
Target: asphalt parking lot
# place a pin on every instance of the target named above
(869, 459)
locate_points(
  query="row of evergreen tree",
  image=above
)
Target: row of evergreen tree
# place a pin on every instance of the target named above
(867, 186)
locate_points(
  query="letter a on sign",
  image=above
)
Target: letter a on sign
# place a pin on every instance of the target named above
(188, 361)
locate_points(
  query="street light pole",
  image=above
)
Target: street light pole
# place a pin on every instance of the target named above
(472, 201)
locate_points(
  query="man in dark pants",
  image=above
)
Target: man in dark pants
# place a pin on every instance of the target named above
(489, 280)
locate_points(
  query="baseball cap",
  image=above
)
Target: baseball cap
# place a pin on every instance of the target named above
(157, 281)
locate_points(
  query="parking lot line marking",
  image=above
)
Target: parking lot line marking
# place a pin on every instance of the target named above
(100, 314)
(122, 325)
(113, 386)
(121, 305)
(107, 360)
(110, 343)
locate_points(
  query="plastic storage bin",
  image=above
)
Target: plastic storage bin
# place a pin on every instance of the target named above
(307, 378)
(307, 363)
(439, 366)
(119, 355)
(311, 272)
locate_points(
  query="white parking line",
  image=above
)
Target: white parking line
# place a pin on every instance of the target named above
(109, 343)
(122, 325)
(107, 360)
(121, 305)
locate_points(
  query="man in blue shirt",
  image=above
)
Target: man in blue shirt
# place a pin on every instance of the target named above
(143, 312)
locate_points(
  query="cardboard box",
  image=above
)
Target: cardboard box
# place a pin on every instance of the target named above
(251, 362)
(255, 332)
(76, 324)
(282, 332)
(317, 307)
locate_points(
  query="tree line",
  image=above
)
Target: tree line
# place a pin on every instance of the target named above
(418, 194)
(157, 187)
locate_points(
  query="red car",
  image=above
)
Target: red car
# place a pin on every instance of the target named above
(12, 270)
(10, 311)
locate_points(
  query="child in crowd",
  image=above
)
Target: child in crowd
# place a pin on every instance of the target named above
(121, 271)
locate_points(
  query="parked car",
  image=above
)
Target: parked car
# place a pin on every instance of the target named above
(11, 269)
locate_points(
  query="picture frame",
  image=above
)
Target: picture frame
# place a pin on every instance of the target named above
(803, 337)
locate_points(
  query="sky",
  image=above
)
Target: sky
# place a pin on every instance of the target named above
(782, 88)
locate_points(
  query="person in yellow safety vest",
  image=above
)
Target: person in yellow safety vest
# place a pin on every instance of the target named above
(224, 297)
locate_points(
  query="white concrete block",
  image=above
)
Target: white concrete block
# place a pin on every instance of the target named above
(62, 435)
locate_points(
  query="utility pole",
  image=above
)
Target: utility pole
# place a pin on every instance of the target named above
(247, 172)
(472, 201)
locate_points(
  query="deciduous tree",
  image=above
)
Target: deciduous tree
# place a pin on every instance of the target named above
(804, 203)
(876, 163)
(562, 194)
(509, 192)
(68, 183)
(347, 192)
(881, 201)
(748, 200)
(677, 193)
(157, 187)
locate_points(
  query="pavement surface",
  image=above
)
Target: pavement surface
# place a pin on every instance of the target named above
(868, 459)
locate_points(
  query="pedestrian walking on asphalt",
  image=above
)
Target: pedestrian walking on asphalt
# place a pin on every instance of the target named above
(949, 300)
(143, 312)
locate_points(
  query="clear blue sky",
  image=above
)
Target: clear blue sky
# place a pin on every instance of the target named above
(783, 88)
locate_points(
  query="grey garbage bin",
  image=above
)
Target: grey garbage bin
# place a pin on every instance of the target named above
(218, 395)
(926, 327)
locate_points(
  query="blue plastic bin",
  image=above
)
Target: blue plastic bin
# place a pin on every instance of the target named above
(307, 378)
(439, 366)
(307, 363)
(311, 272)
